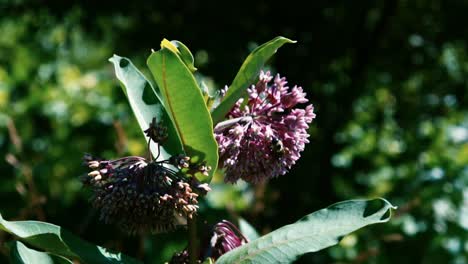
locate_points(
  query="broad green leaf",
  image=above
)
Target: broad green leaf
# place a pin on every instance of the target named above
(21, 254)
(146, 104)
(185, 105)
(248, 230)
(185, 54)
(312, 233)
(246, 75)
(58, 241)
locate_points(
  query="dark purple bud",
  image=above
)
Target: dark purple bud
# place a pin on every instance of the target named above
(225, 238)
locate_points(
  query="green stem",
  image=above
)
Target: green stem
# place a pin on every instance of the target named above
(193, 243)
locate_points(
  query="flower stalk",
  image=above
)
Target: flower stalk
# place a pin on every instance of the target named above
(193, 241)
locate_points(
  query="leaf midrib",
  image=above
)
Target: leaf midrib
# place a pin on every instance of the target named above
(169, 102)
(284, 241)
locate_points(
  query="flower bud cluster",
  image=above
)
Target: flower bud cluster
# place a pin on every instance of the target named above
(143, 196)
(224, 237)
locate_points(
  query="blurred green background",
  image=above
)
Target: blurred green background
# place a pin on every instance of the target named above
(388, 80)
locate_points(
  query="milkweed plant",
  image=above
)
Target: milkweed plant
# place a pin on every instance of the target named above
(253, 130)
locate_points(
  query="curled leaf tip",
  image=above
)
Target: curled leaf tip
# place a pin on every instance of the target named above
(390, 205)
(113, 58)
(286, 39)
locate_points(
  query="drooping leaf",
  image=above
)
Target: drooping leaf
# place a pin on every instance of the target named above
(20, 254)
(312, 233)
(58, 241)
(146, 104)
(185, 105)
(248, 230)
(246, 75)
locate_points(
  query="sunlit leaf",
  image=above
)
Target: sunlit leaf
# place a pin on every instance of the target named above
(20, 254)
(312, 233)
(184, 103)
(146, 104)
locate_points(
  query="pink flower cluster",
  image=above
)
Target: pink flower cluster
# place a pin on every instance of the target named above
(264, 137)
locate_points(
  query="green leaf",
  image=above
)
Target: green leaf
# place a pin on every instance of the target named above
(246, 75)
(312, 233)
(58, 241)
(248, 230)
(20, 254)
(146, 104)
(185, 105)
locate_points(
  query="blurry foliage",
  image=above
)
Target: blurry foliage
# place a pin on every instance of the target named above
(388, 79)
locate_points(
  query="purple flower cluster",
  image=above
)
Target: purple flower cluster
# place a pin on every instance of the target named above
(264, 136)
(142, 196)
(225, 237)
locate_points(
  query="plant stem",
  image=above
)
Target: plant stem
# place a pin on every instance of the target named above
(193, 243)
(230, 122)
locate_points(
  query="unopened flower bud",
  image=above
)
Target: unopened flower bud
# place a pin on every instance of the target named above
(204, 169)
(93, 164)
(180, 161)
(225, 238)
(93, 173)
(141, 196)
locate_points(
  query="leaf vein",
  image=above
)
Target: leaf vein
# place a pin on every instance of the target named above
(169, 102)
